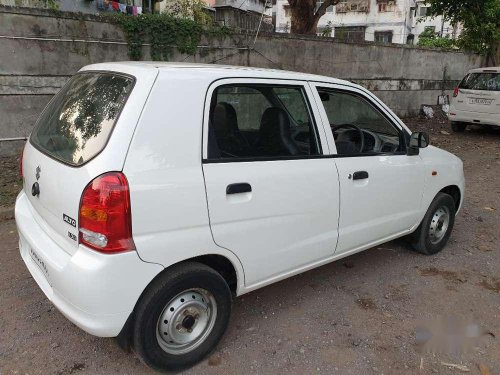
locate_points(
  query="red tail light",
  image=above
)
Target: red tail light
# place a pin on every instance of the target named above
(104, 216)
(455, 92)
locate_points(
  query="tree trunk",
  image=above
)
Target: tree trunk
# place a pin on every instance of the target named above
(305, 16)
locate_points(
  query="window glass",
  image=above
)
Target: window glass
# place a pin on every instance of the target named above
(77, 123)
(351, 118)
(260, 121)
(481, 81)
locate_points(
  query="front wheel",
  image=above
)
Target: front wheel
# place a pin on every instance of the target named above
(181, 317)
(435, 229)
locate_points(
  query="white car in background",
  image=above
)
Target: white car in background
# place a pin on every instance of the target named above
(476, 100)
(154, 193)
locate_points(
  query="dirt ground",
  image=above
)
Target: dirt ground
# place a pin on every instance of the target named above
(356, 316)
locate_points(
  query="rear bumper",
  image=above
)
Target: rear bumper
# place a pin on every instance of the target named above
(95, 291)
(478, 118)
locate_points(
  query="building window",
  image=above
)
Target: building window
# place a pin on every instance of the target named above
(410, 39)
(423, 11)
(383, 36)
(345, 6)
(320, 2)
(386, 6)
(350, 33)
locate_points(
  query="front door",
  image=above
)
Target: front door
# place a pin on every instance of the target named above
(380, 186)
(272, 197)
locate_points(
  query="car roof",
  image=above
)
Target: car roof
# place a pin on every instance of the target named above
(220, 71)
(486, 70)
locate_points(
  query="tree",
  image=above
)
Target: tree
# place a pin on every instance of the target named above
(191, 9)
(306, 15)
(429, 38)
(480, 20)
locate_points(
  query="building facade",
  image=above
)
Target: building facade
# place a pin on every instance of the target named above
(383, 21)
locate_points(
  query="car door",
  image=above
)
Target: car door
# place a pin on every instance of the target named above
(380, 185)
(273, 198)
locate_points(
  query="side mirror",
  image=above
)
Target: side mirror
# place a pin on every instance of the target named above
(417, 141)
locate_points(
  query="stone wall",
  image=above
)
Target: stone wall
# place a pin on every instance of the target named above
(40, 50)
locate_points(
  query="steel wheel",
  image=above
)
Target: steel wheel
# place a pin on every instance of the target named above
(186, 321)
(439, 224)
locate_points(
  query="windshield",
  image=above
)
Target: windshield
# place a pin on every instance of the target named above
(78, 121)
(481, 81)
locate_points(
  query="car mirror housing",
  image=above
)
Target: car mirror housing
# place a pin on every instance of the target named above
(418, 140)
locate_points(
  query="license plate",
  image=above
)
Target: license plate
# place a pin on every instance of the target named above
(480, 101)
(40, 263)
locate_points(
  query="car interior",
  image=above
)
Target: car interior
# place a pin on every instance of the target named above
(256, 121)
(357, 127)
(260, 121)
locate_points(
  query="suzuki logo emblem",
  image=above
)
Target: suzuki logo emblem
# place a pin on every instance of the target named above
(37, 175)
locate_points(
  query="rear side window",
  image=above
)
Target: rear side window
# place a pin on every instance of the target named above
(481, 81)
(77, 123)
(261, 122)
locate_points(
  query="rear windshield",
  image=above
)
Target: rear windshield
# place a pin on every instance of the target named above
(78, 121)
(481, 81)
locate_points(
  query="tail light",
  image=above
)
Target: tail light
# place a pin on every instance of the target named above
(455, 92)
(104, 217)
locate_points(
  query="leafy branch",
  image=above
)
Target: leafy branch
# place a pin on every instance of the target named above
(164, 32)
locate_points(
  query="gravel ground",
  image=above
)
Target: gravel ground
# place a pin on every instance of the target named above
(355, 316)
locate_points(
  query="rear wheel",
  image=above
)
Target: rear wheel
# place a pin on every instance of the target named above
(458, 127)
(181, 317)
(435, 229)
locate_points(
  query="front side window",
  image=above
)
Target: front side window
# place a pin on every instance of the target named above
(260, 121)
(77, 123)
(357, 126)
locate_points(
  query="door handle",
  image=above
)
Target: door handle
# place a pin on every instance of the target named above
(238, 188)
(360, 175)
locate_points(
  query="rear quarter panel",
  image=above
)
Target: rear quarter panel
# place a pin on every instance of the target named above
(170, 221)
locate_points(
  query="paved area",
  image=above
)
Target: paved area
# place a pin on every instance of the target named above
(356, 316)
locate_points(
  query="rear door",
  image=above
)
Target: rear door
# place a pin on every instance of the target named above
(83, 132)
(273, 198)
(479, 92)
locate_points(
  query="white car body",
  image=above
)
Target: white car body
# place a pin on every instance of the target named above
(179, 207)
(477, 106)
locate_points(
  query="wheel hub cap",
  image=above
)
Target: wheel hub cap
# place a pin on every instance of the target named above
(186, 321)
(439, 224)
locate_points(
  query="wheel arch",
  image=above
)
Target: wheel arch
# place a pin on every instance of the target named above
(220, 263)
(455, 193)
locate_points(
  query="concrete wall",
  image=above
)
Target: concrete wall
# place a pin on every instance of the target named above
(40, 50)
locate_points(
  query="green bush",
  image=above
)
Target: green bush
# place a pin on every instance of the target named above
(164, 32)
(430, 39)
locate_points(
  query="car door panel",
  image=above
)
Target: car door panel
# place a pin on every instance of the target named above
(384, 204)
(387, 202)
(288, 220)
(277, 215)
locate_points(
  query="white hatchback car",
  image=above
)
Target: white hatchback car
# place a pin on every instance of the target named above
(476, 100)
(154, 193)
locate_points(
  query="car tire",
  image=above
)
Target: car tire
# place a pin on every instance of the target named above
(197, 300)
(435, 229)
(458, 127)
